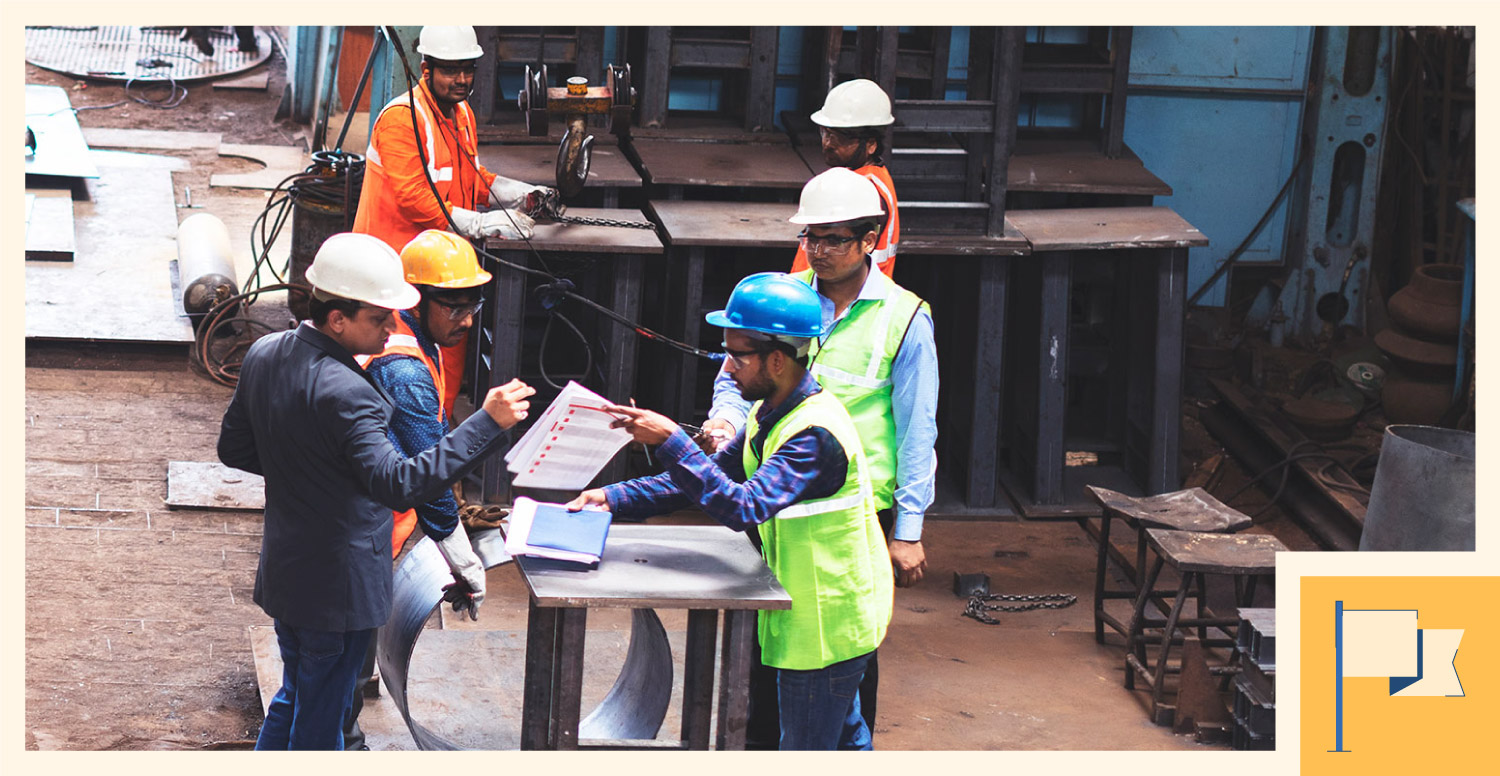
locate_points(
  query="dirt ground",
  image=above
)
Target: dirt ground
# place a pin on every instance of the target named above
(136, 615)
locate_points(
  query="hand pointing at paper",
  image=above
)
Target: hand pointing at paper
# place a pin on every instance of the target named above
(645, 426)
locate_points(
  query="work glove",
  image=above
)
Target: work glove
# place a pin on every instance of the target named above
(505, 224)
(467, 590)
(513, 194)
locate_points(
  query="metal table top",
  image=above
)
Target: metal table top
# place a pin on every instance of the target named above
(764, 165)
(1105, 228)
(1078, 166)
(537, 164)
(727, 224)
(664, 567)
(564, 238)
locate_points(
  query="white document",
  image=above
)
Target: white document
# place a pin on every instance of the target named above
(569, 444)
(519, 527)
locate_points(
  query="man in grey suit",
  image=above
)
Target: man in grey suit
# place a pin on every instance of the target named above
(312, 422)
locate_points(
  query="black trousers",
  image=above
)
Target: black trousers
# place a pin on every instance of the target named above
(763, 729)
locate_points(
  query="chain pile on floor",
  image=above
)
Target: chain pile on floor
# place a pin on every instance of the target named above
(979, 604)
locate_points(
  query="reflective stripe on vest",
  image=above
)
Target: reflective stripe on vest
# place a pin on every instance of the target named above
(854, 362)
(438, 174)
(832, 560)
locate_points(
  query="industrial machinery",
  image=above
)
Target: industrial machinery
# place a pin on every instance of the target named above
(574, 103)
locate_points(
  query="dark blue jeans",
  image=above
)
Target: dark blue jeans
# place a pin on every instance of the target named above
(819, 709)
(316, 685)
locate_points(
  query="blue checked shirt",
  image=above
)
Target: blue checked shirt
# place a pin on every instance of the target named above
(810, 465)
(415, 425)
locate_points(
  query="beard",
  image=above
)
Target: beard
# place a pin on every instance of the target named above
(758, 388)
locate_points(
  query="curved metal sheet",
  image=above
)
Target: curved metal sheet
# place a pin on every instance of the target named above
(637, 703)
(634, 707)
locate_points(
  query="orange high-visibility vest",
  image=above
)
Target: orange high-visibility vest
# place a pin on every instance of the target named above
(404, 343)
(395, 201)
(885, 247)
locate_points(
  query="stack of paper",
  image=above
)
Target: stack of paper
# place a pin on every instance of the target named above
(569, 444)
(544, 530)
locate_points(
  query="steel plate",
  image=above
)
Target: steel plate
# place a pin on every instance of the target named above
(115, 53)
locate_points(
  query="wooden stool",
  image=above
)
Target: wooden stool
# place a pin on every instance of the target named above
(1193, 509)
(1194, 554)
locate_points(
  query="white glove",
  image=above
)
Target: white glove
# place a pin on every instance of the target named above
(505, 224)
(510, 193)
(465, 565)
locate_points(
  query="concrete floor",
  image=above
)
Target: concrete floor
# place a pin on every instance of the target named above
(153, 648)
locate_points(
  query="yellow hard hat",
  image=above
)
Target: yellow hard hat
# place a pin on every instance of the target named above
(443, 260)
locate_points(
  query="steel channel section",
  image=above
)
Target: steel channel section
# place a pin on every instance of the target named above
(944, 115)
(504, 357)
(1007, 95)
(989, 351)
(698, 678)
(633, 709)
(734, 679)
(1052, 399)
(619, 375)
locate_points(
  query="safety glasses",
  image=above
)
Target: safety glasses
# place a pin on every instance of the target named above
(739, 358)
(828, 243)
(458, 312)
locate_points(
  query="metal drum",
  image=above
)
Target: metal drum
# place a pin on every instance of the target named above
(1423, 497)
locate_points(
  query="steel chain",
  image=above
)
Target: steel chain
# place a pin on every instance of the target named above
(593, 221)
(978, 606)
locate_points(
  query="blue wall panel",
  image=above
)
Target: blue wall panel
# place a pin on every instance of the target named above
(1226, 152)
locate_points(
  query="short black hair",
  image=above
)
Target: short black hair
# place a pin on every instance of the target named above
(786, 349)
(859, 227)
(319, 306)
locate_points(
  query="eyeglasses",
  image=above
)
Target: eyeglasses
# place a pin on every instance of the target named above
(738, 358)
(454, 71)
(458, 312)
(835, 137)
(828, 243)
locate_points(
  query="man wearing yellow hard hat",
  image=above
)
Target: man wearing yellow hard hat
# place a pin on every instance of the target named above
(445, 271)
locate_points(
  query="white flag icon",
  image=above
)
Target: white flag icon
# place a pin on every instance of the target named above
(1380, 642)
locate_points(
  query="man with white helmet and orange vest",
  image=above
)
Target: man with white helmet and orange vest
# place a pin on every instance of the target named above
(404, 164)
(852, 126)
(309, 420)
(877, 355)
(444, 269)
(798, 479)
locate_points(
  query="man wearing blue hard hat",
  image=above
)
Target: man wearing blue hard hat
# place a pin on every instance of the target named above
(796, 474)
(877, 355)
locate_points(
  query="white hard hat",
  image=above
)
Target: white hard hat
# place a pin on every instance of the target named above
(835, 195)
(451, 42)
(362, 267)
(857, 103)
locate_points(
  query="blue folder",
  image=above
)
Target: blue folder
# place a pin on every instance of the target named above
(557, 528)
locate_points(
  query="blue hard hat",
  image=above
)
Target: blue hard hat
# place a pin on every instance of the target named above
(772, 303)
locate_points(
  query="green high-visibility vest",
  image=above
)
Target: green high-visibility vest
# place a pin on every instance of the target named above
(828, 553)
(854, 362)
